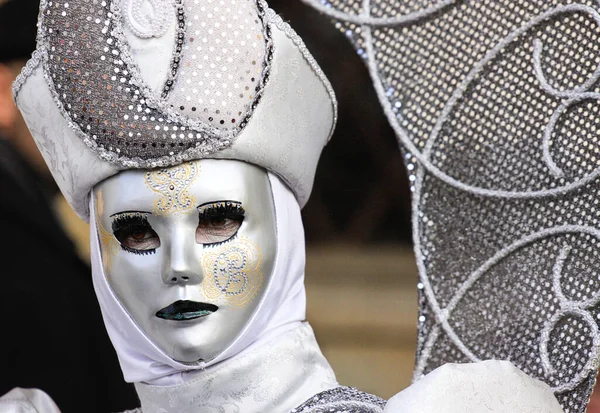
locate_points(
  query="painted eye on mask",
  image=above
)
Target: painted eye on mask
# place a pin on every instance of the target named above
(134, 233)
(219, 222)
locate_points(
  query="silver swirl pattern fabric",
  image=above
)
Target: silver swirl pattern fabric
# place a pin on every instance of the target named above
(496, 105)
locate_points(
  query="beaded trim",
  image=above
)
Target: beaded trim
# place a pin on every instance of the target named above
(342, 399)
(179, 40)
(26, 71)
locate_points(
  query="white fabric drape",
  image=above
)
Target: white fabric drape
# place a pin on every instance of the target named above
(27, 401)
(275, 377)
(492, 386)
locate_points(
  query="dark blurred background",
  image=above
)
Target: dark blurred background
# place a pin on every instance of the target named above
(361, 192)
(361, 277)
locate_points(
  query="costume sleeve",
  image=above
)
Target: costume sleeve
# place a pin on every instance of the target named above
(490, 386)
(27, 401)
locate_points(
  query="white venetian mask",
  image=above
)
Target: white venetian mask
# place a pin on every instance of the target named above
(188, 251)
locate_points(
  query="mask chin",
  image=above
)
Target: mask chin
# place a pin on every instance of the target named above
(188, 251)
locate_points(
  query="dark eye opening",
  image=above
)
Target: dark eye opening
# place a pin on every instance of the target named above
(134, 233)
(219, 222)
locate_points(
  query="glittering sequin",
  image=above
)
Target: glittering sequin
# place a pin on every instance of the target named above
(207, 88)
(496, 106)
(342, 400)
(97, 83)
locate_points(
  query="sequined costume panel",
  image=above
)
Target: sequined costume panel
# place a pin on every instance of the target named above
(496, 105)
(342, 400)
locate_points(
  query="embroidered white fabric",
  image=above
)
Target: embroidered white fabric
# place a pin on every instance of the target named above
(277, 376)
(291, 370)
(495, 104)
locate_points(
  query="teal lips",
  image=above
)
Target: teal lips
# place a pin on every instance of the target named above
(186, 310)
(191, 316)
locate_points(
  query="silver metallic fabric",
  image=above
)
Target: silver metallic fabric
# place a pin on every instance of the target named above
(496, 104)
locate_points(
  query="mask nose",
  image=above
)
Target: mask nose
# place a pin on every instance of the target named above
(183, 267)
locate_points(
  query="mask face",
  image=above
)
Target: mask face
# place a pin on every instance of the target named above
(188, 251)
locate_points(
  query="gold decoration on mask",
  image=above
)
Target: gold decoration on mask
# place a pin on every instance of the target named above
(109, 246)
(233, 272)
(173, 186)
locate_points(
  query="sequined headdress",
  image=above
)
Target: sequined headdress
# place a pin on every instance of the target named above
(120, 84)
(496, 104)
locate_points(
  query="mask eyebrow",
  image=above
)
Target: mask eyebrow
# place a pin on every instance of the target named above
(221, 205)
(129, 219)
(130, 212)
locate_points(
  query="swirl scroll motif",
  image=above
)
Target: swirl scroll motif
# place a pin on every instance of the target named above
(233, 272)
(148, 18)
(570, 98)
(423, 156)
(573, 308)
(173, 186)
(366, 19)
(567, 307)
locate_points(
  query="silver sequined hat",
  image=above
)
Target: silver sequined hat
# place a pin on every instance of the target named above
(497, 104)
(121, 84)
